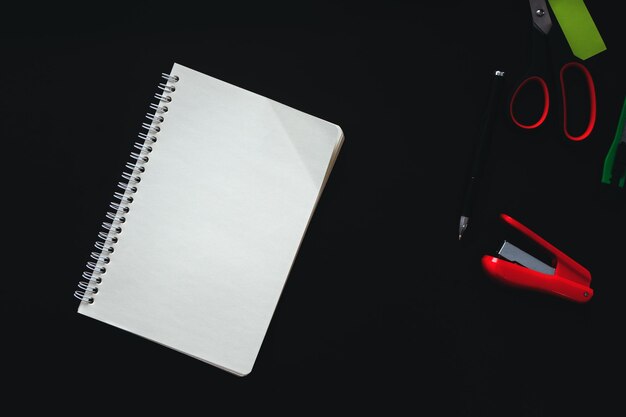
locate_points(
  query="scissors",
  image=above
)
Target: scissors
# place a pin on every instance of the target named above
(538, 73)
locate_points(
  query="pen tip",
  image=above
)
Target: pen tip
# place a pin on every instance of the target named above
(463, 225)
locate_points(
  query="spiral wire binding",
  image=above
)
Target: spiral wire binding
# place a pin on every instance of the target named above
(96, 268)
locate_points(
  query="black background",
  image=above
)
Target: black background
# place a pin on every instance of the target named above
(384, 309)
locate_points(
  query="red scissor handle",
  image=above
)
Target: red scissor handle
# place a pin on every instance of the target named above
(546, 101)
(592, 100)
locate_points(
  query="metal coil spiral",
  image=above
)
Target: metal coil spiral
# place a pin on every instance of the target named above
(96, 267)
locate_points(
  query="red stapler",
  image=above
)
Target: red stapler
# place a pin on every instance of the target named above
(564, 278)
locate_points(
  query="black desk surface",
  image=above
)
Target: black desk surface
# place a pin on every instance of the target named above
(384, 308)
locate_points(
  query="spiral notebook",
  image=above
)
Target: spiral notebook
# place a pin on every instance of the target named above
(208, 219)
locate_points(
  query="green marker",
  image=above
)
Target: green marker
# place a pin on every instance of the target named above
(615, 162)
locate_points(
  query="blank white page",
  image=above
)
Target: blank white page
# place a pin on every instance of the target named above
(216, 221)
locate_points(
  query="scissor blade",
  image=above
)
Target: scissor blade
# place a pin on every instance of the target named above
(541, 15)
(515, 254)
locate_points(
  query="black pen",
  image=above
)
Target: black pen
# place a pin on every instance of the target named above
(482, 149)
